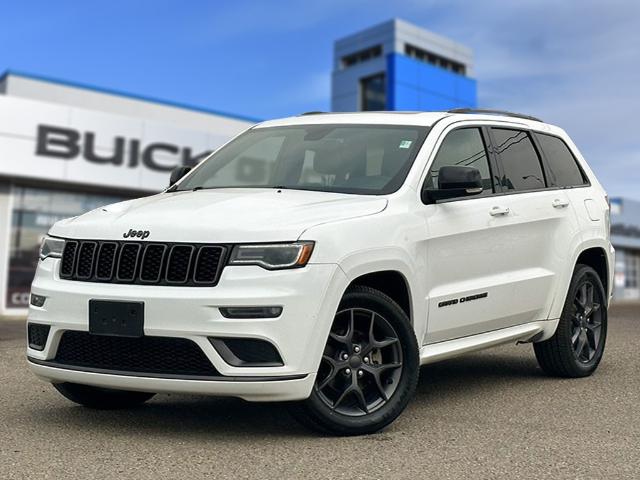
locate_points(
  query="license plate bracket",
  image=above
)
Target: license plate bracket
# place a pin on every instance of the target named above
(116, 318)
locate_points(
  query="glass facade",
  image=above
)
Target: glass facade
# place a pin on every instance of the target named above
(373, 93)
(33, 213)
(631, 270)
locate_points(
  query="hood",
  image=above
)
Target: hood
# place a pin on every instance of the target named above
(220, 215)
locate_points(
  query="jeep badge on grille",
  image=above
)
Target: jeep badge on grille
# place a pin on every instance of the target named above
(136, 233)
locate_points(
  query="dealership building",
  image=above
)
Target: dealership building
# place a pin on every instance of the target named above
(399, 66)
(66, 149)
(625, 236)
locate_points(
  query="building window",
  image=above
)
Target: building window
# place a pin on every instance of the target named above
(373, 93)
(433, 59)
(361, 56)
(34, 212)
(631, 270)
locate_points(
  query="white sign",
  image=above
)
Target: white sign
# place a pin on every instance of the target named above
(56, 142)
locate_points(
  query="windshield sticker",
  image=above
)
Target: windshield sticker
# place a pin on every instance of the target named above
(405, 144)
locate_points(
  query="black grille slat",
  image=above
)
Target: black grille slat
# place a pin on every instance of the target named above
(157, 355)
(207, 264)
(68, 258)
(106, 261)
(179, 263)
(152, 261)
(85, 260)
(128, 262)
(175, 264)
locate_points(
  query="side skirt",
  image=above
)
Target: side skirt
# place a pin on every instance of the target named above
(528, 332)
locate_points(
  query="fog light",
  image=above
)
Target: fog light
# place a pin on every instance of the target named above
(37, 300)
(251, 312)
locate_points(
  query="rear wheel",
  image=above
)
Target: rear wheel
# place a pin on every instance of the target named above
(575, 350)
(369, 369)
(101, 398)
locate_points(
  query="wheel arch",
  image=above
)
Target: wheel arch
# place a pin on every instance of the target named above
(597, 255)
(596, 258)
(376, 266)
(390, 282)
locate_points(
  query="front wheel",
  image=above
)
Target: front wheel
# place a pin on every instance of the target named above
(576, 348)
(369, 369)
(101, 398)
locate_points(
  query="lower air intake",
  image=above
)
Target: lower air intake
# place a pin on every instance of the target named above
(38, 335)
(247, 352)
(152, 355)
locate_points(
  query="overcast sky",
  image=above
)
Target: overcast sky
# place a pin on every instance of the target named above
(573, 63)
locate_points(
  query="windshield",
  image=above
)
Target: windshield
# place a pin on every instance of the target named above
(367, 159)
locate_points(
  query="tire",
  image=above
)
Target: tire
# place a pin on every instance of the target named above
(383, 367)
(101, 398)
(583, 319)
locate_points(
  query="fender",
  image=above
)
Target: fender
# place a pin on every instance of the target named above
(565, 281)
(391, 259)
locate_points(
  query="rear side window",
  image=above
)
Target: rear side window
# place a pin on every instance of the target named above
(463, 147)
(520, 163)
(563, 168)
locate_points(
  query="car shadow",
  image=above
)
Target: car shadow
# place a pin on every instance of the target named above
(477, 371)
(189, 416)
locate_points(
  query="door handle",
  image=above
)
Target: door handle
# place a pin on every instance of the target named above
(498, 211)
(557, 203)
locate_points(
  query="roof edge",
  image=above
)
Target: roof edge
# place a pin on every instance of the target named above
(132, 96)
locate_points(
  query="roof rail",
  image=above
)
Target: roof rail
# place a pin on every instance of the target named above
(494, 112)
(313, 112)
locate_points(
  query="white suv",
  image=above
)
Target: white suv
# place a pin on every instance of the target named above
(323, 258)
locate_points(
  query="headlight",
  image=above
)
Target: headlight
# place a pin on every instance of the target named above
(273, 256)
(51, 247)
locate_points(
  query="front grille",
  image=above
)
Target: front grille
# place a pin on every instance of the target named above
(68, 258)
(151, 270)
(179, 261)
(151, 355)
(128, 262)
(106, 260)
(86, 257)
(142, 263)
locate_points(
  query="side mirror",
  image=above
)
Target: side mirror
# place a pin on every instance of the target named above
(454, 181)
(177, 173)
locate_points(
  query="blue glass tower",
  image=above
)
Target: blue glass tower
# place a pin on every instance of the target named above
(399, 66)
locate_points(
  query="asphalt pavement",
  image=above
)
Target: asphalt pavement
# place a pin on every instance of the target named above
(491, 414)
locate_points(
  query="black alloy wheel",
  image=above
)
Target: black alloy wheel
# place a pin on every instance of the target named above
(362, 363)
(369, 368)
(577, 346)
(586, 328)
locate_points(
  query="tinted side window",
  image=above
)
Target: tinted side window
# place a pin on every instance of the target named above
(564, 170)
(520, 162)
(462, 147)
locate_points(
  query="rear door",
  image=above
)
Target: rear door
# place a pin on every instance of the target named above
(541, 222)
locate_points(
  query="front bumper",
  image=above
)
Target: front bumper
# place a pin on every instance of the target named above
(253, 390)
(309, 297)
